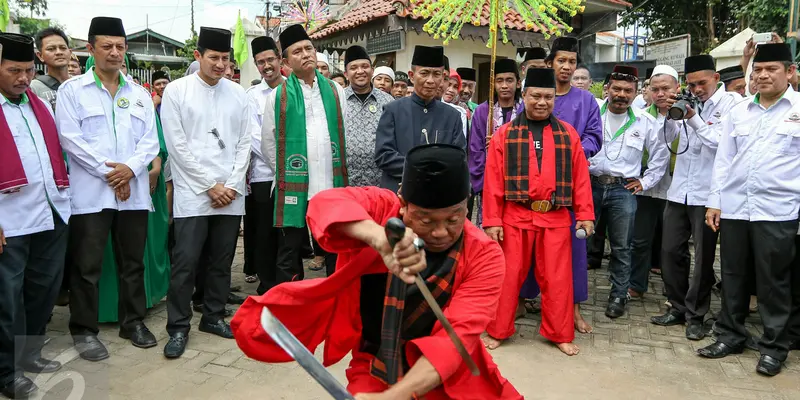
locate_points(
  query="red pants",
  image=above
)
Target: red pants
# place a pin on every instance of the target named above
(552, 249)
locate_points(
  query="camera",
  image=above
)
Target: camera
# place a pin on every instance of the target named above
(678, 110)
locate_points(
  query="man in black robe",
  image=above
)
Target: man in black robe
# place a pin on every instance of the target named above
(418, 119)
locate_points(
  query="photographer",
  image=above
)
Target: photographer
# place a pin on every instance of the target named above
(698, 134)
(754, 203)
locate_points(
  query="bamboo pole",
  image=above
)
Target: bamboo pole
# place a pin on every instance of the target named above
(493, 27)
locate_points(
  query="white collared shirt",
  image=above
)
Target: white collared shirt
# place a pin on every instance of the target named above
(691, 179)
(260, 171)
(192, 113)
(757, 169)
(29, 210)
(463, 113)
(659, 190)
(318, 141)
(622, 157)
(94, 129)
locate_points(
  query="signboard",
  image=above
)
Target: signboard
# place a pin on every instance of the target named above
(670, 51)
(389, 42)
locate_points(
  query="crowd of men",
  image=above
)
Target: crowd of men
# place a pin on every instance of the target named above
(112, 193)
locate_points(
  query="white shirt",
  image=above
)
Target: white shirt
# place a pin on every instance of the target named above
(260, 170)
(622, 157)
(659, 190)
(94, 129)
(691, 179)
(29, 210)
(318, 140)
(757, 170)
(463, 113)
(639, 102)
(191, 112)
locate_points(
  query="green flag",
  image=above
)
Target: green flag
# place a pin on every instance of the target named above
(239, 42)
(5, 15)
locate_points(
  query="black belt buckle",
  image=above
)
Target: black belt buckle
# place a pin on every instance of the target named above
(607, 179)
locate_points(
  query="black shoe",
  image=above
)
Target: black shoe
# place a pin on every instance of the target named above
(198, 308)
(794, 345)
(139, 336)
(236, 288)
(235, 299)
(219, 328)
(228, 312)
(668, 319)
(719, 350)
(63, 298)
(176, 345)
(90, 348)
(593, 265)
(19, 388)
(616, 307)
(768, 366)
(694, 331)
(41, 366)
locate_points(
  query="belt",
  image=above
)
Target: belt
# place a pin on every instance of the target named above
(542, 206)
(607, 179)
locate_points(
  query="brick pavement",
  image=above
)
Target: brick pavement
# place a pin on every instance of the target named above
(627, 358)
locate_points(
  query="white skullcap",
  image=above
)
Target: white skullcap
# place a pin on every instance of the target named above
(383, 70)
(321, 57)
(665, 70)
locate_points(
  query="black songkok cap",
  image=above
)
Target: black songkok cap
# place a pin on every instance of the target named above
(504, 65)
(263, 43)
(540, 78)
(291, 35)
(731, 73)
(627, 70)
(400, 76)
(106, 26)
(17, 47)
(648, 73)
(435, 176)
(536, 53)
(447, 65)
(214, 39)
(703, 62)
(355, 53)
(468, 74)
(773, 52)
(426, 56)
(564, 43)
(608, 78)
(159, 75)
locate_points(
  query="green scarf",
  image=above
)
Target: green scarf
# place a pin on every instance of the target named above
(653, 110)
(291, 201)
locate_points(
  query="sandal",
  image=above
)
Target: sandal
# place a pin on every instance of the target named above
(656, 271)
(317, 264)
(250, 278)
(533, 306)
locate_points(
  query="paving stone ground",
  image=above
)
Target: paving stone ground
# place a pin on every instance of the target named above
(627, 358)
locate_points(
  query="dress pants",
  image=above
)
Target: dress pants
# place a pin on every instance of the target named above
(31, 269)
(260, 237)
(330, 258)
(794, 320)
(205, 239)
(87, 241)
(616, 207)
(548, 250)
(646, 226)
(772, 247)
(690, 296)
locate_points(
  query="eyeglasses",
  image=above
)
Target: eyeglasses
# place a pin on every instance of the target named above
(619, 76)
(216, 136)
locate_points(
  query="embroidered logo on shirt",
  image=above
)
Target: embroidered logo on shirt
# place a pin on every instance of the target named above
(123, 103)
(717, 114)
(296, 162)
(139, 103)
(793, 117)
(635, 133)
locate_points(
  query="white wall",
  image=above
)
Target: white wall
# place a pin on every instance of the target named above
(458, 51)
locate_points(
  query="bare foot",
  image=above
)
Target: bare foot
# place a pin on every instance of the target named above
(569, 349)
(520, 309)
(492, 343)
(580, 324)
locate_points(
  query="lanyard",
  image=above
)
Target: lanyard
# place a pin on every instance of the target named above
(624, 127)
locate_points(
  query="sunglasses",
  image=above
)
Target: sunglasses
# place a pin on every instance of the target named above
(216, 136)
(619, 76)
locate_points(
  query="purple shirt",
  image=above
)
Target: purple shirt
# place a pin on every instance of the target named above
(579, 108)
(477, 144)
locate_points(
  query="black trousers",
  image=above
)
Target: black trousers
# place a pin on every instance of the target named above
(206, 239)
(646, 229)
(260, 237)
(31, 270)
(772, 247)
(87, 241)
(690, 296)
(471, 205)
(794, 320)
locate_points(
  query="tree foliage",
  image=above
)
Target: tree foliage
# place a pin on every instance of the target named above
(709, 22)
(190, 46)
(30, 26)
(32, 8)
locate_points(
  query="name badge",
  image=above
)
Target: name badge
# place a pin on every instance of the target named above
(291, 200)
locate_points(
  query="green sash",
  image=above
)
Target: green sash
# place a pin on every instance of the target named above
(291, 200)
(624, 127)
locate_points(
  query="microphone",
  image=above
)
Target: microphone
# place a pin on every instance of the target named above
(580, 233)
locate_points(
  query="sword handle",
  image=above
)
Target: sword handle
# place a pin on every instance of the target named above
(395, 230)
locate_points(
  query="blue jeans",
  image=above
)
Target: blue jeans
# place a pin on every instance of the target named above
(616, 206)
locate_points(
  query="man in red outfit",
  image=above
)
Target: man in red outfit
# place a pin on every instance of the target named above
(535, 171)
(399, 349)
